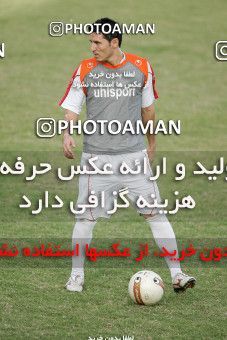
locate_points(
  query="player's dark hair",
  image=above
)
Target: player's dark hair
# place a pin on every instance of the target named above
(108, 36)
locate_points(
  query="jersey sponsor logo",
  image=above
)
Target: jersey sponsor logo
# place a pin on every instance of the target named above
(116, 93)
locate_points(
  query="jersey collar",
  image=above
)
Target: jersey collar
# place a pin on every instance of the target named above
(122, 62)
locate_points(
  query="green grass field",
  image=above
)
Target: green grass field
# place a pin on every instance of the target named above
(192, 87)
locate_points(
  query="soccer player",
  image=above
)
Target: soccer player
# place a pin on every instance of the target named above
(116, 86)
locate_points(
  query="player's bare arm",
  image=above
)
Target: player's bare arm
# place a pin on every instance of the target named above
(148, 113)
(68, 141)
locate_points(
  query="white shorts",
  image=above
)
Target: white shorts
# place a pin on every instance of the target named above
(136, 184)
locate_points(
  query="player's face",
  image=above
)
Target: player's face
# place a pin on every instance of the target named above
(101, 48)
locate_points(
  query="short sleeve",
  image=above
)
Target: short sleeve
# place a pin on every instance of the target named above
(149, 94)
(74, 97)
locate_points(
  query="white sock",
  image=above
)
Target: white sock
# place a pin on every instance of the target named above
(164, 237)
(82, 235)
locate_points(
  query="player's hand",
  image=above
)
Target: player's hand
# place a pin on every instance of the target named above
(151, 153)
(68, 143)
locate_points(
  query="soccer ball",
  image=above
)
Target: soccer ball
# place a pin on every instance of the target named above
(146, 288)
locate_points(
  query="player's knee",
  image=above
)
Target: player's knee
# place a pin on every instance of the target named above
(85, 221)
(146, 216)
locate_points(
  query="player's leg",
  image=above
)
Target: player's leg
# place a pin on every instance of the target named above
(82, 232)
(161, 229)
(164, 236)
(82, 235)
